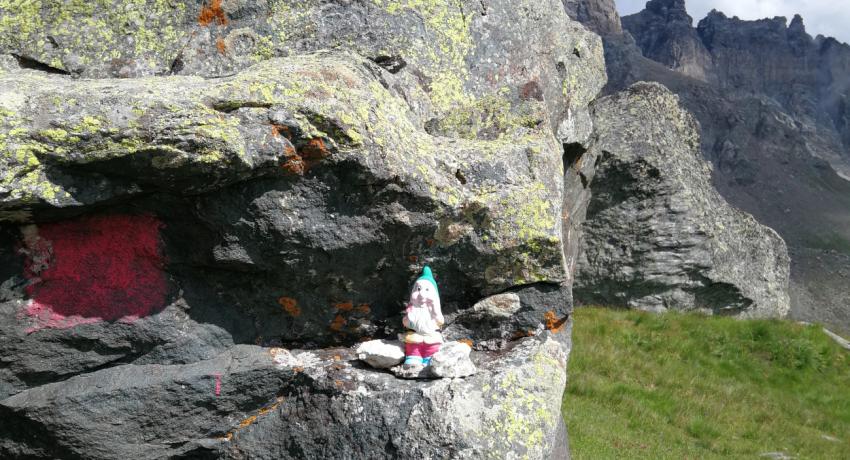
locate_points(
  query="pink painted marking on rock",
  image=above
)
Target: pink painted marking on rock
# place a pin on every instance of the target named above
(217, 384)
(103, 268)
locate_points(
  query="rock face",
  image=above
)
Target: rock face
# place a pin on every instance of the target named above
(600, 16)
(172, 235)
(665, 33)
(771, 121)
(659, 236)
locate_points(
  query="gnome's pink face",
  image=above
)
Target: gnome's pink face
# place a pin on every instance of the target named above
(424, 294)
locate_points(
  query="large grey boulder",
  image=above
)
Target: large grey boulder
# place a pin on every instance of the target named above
(255, 195)
(659, 236)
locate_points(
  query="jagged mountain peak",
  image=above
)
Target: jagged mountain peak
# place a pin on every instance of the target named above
(666, 6)
(773, 107)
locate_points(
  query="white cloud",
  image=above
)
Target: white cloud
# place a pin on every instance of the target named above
(825, 17)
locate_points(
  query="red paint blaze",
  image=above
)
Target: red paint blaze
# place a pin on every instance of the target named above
(217, 384)
(98, 268)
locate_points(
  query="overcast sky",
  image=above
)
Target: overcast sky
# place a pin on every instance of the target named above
(826, 17)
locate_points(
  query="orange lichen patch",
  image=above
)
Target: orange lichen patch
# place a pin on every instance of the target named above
(298, 369)
(413, 259)
(267, 409)
(248, 421)
(466, 341)
(277, 130)
(212, 13)
(315, 150)
(220, 46)
(290, 306)
(338, 323)
(364, 308)
(553, 323)
(337, 358)
(429, 242)
(252, 419)
(298, 161)
(344, 306)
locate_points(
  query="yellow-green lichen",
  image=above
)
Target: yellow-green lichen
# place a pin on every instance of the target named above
(527, 214)
(263, 49)
(88, 124)
(491, 117)
(442, 56)
(55, 135)
(94, 31)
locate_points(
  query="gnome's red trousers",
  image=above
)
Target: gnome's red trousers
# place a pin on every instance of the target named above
(419, 353)
(422, 350)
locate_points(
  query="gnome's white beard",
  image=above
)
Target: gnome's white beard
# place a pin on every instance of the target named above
(424, 311)
(420, 320)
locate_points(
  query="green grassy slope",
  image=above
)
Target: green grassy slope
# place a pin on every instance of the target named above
(688, 386)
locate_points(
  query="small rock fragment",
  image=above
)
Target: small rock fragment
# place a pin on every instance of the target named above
(380, 354)
(283, 358)
(453, 361)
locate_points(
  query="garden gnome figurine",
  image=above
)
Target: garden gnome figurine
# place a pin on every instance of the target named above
(423, 318)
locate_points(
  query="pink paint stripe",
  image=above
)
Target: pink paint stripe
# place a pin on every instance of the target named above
(217, 384)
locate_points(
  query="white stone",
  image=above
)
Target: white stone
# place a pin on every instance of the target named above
(380, 354)
(283, 358)
(452, 361)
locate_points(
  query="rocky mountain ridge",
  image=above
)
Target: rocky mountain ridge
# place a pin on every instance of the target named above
(769, 99)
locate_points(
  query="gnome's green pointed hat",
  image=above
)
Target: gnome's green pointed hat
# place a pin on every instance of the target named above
(427, 276)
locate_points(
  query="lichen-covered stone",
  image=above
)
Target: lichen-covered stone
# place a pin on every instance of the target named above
(458, 52)
(659, 236)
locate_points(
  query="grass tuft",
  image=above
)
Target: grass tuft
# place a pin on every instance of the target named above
(688, 386)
